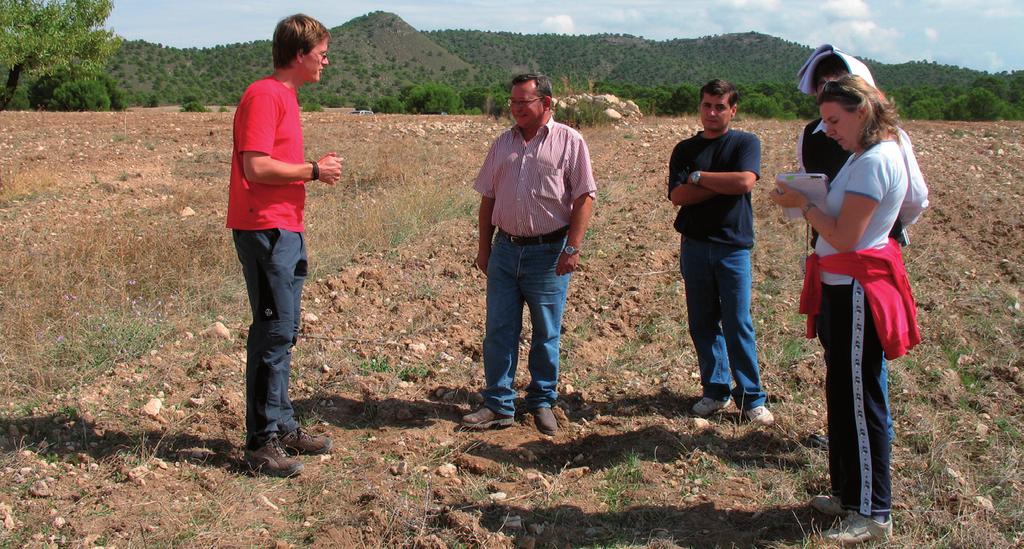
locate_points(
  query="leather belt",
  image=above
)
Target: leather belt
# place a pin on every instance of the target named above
(554, 236)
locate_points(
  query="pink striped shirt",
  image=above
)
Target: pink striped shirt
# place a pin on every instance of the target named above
(534, 184)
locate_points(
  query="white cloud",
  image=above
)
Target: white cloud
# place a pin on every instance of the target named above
(559, 24)
(846, 9)
(931, 34)
(753, 4)
(994, 60)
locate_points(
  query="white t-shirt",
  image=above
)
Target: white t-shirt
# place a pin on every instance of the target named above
(880, 174)
(916, 200)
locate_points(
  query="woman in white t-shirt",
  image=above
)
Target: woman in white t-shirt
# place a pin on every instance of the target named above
(858, 301)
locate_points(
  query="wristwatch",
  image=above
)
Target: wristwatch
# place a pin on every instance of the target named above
(570, 250)
(695, 177)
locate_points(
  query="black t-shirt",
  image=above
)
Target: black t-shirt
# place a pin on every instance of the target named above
(724, 218)
(821, 153)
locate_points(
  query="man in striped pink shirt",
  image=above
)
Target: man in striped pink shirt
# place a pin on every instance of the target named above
(538, 191)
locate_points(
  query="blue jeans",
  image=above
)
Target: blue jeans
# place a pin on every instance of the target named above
(718, 278)
(274, 265)
(518, 275)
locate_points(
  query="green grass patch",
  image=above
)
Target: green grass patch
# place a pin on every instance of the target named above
(621, 482)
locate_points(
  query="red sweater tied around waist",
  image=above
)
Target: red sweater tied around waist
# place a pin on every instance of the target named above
(884, 278)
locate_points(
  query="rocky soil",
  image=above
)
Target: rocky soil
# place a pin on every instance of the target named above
(121, 214)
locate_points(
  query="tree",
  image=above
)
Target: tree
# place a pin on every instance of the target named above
(389, 104)
(81, 95)
(431, 98)
(38, 37)
(78, 92)
(977, 104)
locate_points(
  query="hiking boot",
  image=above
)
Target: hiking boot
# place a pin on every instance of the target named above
(545, 421)
(301, 442)
(485, 418)
(707, 406)
(828, 505)
(759, 415)
(857, 528)
(271, 459)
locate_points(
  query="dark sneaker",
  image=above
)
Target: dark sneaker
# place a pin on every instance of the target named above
(485, 418)
(545, 421)
(271, 459)
(301, 442)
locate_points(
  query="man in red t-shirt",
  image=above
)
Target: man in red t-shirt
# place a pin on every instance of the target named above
(265, 208)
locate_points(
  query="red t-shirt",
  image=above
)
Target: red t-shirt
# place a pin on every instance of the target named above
(267, 121)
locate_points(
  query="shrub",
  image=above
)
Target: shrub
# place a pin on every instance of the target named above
(389, 104)
(431, 97)
(192, 104)
(582, 115)
(81, 95)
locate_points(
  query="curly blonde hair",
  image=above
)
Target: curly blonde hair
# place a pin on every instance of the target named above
(853, 94)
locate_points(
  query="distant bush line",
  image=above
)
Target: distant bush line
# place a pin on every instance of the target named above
(987, 98)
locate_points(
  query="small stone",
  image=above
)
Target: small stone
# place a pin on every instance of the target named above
(40, 489)
(576, 472)
(266, 502)
(446, 470)
(153, 407)
(325, 368)
(536, 529)
(197, 401)
(514, 522)
(982, 429)
(187, 212)
(418, 348)
(568, 389)
(310, 318)
(59, 522)
(499, 496)
(956, 476)
(399, 468)
(217, 330)
(701, 424)
(985, 503)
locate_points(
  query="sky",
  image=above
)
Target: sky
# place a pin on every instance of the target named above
(978, 34)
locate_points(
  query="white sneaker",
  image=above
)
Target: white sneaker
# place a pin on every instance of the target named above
(857, 528)
(759, 415)
(707, 406)
(828, 505)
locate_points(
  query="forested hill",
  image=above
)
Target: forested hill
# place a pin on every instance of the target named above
(379, 54)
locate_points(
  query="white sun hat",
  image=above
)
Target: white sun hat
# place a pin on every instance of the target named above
(806, 73)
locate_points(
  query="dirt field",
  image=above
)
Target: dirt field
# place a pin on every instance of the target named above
(116, 266)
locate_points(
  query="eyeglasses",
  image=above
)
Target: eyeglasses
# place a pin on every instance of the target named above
(523, 102)
(322, 55)
(835, 89)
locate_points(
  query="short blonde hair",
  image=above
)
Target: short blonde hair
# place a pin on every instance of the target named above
(294, 34)
(853, 93)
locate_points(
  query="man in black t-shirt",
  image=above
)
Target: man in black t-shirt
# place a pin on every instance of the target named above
(710, 176)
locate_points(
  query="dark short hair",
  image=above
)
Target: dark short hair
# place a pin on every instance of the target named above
(832, 65)
(721, 87)
(294, 34)
(543, 83)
